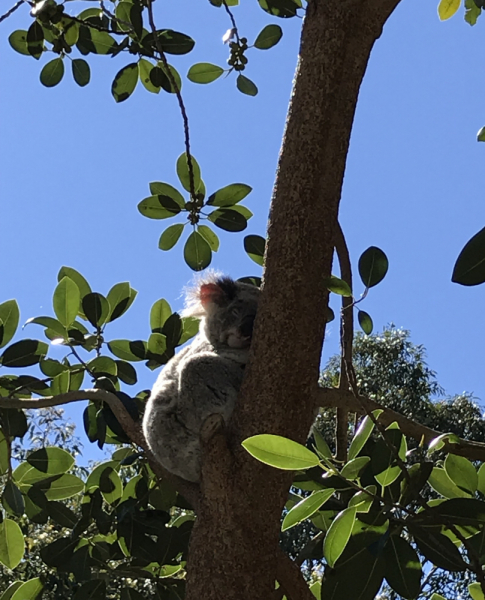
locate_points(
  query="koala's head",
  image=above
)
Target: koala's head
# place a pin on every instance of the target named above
(227, 309)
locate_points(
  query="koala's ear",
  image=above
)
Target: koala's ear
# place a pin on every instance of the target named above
(211, 293)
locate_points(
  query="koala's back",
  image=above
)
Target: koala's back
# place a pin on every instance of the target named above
(197, 382)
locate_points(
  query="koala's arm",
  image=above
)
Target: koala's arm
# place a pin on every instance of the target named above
(209, 384)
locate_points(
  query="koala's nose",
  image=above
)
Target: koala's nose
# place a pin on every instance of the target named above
(247, 324)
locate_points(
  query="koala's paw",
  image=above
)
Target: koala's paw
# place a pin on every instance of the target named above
(212, 425)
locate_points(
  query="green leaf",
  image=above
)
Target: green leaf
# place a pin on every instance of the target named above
(66, 301)
(280, 452)
(157, 188)
(159, 76)
(96, 308)
(197, 252)
(52, 73)
(101, 42)
(438, 549)
(338, 535)
(183, 172)
(442, 484)
(81, 71)
(35, 40)
(246, 86)
(105, 477)
(157, 344)
(306, 508)
(133, 351)
(51, 460)
(268, 37)
(338, 286)
(50, 323)
(365, 322)
(475, 591)
(125, 82)
(159, 313)
(373, 266)
(204, 73)
(174, 42)
(472, 12)
(209, 236)
(403, 567)
(352, 468)
(79, 280)
(481, 132)
(9, 592)
(10, 316)
(14, 422)
(469, 268)
(30, 590)
(61, 383)
(18, 41)
(229, 195)
(144, 70)
(11, 544)
(437, 597)
(190, 328)
(118, 299)
(361, 435)
(228, 219)
(62, 486)
(170, 236)
(462, 472)
(61, 514)
(447, 8)
(24, 353)
(255, 246)
(280, 8)
(12, 499)
(126, 372)
(321, 444)
(158, 207)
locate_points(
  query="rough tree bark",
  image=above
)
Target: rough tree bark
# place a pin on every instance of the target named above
(234, 546)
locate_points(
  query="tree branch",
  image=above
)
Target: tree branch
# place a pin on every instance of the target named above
(335, 398)
(132, 429)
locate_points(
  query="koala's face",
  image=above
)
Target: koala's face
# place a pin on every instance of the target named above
(230, 313)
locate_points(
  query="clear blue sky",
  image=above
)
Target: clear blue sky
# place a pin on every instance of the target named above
(75, 164)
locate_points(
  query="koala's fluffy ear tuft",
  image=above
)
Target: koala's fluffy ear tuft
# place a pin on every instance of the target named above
(215, 290)
(211, 293)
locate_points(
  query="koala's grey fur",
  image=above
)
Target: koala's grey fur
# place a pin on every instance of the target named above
(205, 377)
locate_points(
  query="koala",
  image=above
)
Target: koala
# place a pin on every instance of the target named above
(205, 377)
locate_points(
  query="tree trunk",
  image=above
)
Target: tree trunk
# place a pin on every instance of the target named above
(234, 545)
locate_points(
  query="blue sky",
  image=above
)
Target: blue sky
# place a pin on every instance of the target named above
(75, 164)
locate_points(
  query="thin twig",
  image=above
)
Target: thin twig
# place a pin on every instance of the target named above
(175, 87)
(233, 20)
(12, 10)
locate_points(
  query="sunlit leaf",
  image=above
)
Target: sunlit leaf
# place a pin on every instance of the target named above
(280, 452)
(204, 73)
(447, 8)
(338, 535)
